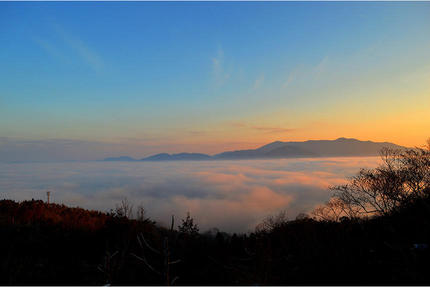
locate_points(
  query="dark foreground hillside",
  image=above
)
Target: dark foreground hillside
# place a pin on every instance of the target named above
(53, 244)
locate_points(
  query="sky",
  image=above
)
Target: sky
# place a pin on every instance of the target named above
(137, 78)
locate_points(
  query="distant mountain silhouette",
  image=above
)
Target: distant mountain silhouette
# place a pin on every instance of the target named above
(311, 148)
(120, 158)
(278, 149)
(177, 156)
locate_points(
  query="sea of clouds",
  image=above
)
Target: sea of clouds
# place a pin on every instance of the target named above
(233, 196)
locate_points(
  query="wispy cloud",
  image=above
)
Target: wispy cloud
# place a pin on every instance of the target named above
(263, 129)
(321, 67)
(196, 133)
(218, 69)
(50, 49)
(306, 75)
(89, 56)
(258, 82)
(274, 130)
(290, 79)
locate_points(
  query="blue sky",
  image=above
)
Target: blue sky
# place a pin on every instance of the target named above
(214, 75)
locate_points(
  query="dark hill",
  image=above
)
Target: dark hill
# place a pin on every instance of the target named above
(278, 149)
(311, 148)
(177, 156)
(120, 158)
(53, 244)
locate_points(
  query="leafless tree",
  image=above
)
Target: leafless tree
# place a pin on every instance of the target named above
(334, 210)
(403, 176)
(124, 209)
(272, 221)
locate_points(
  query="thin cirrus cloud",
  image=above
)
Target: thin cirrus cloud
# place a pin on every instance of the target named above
(258, 82)
(321, 67)
(86, 54)
(262, 129)
(305, 75)
(231, 195)
(82, 49)
(289, 80)
(218, 68)
(51, 50)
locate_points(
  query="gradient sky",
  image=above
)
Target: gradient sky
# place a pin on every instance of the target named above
(213, 76)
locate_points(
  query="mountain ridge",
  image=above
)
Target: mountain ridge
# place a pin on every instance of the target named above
(120, 158)
(278, 149)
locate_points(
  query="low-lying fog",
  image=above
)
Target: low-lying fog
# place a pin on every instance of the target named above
(233, 196)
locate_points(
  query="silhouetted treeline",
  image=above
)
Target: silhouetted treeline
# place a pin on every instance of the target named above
(375, 230)
(86, 247)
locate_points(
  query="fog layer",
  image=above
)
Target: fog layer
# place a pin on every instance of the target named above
(233, 196)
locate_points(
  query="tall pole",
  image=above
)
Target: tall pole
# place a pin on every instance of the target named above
(48, 193)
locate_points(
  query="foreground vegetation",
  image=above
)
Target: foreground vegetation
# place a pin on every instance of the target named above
(374, 230)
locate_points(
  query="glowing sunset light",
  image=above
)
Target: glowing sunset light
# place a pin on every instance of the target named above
(214, 143)
(223, 79)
